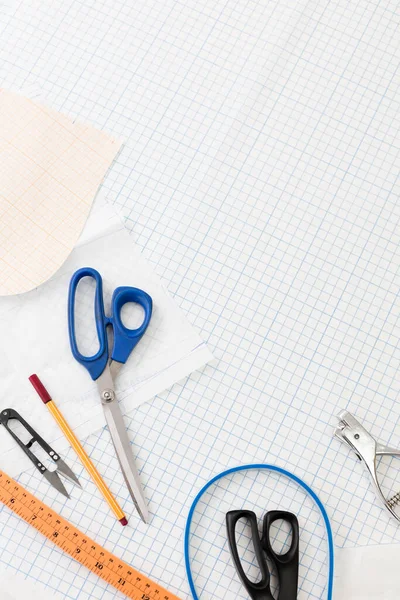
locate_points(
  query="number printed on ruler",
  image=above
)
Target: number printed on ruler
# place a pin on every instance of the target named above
(120, 575)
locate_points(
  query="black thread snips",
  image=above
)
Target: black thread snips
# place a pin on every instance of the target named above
(62, 468)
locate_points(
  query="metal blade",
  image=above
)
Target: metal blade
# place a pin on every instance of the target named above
(54, 480)
(115, 368)
(124, 453)
(64, 470)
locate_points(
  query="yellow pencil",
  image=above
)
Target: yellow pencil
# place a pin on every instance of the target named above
(77, 446)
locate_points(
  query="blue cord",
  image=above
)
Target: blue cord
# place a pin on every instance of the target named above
(281, 472)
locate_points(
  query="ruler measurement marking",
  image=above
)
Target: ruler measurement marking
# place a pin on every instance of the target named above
(80, 547)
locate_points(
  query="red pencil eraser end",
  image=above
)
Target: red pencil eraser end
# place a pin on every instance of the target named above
(124, 521)
(39, 387)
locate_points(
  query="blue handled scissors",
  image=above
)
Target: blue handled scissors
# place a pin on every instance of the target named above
(104, 367)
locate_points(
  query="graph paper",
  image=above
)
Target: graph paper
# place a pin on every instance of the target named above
(259, 175)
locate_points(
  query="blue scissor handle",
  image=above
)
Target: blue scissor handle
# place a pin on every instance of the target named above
(97, 363)
(124, 339)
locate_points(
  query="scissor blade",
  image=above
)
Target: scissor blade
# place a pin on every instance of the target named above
(54, 480)
(123, 450)
(64, 470)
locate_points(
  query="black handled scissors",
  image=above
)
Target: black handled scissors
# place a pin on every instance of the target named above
(287, 564)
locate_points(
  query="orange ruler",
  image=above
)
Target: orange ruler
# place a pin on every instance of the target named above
(114, 571)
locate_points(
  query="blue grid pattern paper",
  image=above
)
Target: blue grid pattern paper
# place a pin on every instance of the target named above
(260, 177)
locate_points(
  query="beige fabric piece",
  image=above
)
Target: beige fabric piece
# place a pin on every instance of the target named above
(50, 170)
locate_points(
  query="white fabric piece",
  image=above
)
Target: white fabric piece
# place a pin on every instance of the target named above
(35, 326)
(367, 573)
(16, 587)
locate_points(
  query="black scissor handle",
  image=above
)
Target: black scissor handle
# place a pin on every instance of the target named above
(9, 414)
(287, 564)
(259, 590)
